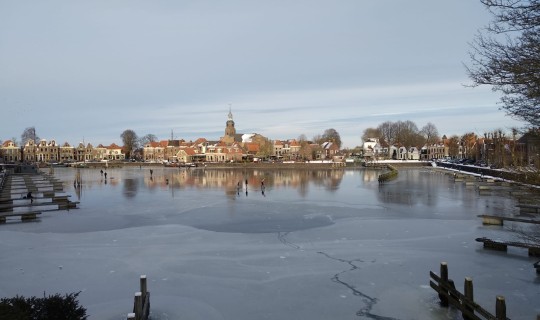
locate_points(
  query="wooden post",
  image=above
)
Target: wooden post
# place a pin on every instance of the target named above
(137, 308)
(143, 287)
(500, 308)
(444, 280)
(469, 295)
(444, 271)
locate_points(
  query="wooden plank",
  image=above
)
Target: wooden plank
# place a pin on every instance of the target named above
(14, 214)
(508, 243)
(506, 218)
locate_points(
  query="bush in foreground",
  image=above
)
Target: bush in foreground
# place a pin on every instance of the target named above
(52, 307)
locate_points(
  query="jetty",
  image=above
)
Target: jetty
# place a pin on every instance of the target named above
(534, 250)
(26, 193)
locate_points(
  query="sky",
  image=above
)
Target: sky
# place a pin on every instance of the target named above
(88, 70)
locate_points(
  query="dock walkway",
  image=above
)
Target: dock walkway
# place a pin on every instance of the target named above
(27, 195)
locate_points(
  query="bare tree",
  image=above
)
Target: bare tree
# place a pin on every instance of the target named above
(388, 132)
(430, 133)
(371, 133)
(469, 141)
(130, 140)
(453, 146)
(266, 148)
(510, 63)
(29, 134)
(408, 134)
(147, 139)
(318, 139)
(331, 135)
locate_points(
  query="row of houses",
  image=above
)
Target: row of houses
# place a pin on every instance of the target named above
(373, 150)
(201, 150)
(50, 152)
(232, 147)
(495, 149)
(251, 147)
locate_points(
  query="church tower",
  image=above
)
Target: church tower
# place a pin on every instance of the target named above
(230, 131)
(229, 128)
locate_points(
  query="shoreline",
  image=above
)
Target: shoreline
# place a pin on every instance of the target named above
(252, 165)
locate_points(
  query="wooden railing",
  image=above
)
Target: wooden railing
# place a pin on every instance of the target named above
(450, 296)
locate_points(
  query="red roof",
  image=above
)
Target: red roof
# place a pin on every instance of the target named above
(252, 147)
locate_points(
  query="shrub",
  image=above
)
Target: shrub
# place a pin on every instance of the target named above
(52, 307)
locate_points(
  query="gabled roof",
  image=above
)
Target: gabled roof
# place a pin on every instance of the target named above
(294, 143)
(188, 151)
(329, 145)
(114, 146)
(6, 143)
(200, 140)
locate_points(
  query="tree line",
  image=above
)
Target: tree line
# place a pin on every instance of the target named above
(404, 133)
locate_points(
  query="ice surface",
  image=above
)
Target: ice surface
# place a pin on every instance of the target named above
(329, 244)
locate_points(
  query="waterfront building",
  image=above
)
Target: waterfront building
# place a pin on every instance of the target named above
(278, 149)
(67, 153)
(10, 152)
(154, 151)
(330, 149)
(413, 154)
(47, 151)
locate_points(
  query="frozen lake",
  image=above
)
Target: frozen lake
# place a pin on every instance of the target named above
(322, 244)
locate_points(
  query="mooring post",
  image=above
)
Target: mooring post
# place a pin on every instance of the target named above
(500, 308)
(444, 281)
(444, 271)
(143, 287)
(137, 308)
(468, 293)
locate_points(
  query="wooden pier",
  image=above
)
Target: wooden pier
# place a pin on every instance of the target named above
(27, 195)
(450, 296)
(534, 250)
(499, 220)
(528, 208)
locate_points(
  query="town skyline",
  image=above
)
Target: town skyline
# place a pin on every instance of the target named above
(89, 71)
(18, 139)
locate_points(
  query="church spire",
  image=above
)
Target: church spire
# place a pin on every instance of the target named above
(230, 131)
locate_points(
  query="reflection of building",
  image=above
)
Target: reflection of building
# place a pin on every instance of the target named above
(230, 179)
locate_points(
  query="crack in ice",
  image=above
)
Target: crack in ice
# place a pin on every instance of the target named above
(369, 301)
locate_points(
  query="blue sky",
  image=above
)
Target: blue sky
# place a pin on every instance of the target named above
(91, 69)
